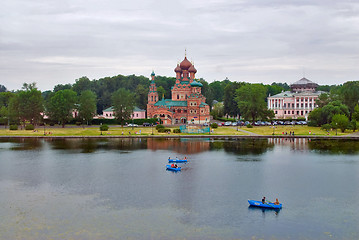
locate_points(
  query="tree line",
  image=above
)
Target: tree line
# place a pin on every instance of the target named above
(228, 98)
(337, 109)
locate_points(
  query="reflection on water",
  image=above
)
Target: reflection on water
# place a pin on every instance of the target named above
(187, 146)
(264, 211)
(340, 146)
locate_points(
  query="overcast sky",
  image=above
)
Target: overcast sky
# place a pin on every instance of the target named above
(56, 42)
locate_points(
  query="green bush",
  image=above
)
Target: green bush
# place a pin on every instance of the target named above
(214, 125)
(159, 126)
(13, 127)
(326, 127)
(249, 126)
(161, 130)
(177, 130)
(104, 127)
(29, 127)
(78, 123)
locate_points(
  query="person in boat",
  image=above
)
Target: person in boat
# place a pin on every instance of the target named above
(276, 201)
(176, 166)
(185, 158)
(173, 165)
(176, 158)
(264, 200)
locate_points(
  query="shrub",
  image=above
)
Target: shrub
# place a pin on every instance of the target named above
(13, 127)
(29, 127)
(177, 130)
(326, 127)
(78, 123)
(104, 127)
(249, 126)
(161, 130)
(214, 125)
(159, 126)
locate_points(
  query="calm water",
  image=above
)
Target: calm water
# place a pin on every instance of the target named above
(119, 189)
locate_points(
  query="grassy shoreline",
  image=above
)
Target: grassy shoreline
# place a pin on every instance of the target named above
(236, 132)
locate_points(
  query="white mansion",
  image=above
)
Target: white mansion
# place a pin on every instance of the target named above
(298, 102)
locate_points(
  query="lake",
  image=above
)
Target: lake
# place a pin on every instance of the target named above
(120, 189)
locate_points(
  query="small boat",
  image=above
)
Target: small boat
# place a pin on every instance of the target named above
(264, 205)
(175, 169)
(177, 160)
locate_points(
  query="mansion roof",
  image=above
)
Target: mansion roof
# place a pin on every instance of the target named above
(290, 94)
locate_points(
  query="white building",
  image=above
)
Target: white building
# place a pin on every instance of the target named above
(298, 102)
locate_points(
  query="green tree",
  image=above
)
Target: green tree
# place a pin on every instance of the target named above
(251, 100)
(274, 89)
(82, 84)
(161, 92)
(353, 125)
(141, 94)
(218, 110)
(315, 118)
(230, 104)
(323, 100)
(332, 108)
(123, 104)
(350, 95)
(59, 87)
(2, 88)
(323, 115)
(13, 113)
(87, 105)
(61, 106)
(27, 105)
(356, 113)
(5, 98)
(340, 121)
(207, 92)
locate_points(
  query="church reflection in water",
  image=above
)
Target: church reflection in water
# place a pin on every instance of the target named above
(253, 146)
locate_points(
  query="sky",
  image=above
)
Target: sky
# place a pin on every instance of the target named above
(54, 42)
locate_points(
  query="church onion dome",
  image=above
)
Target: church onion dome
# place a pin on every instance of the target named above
(153, 73)
(185, 64)
(196, 84)
(192, 69)
(178, 69)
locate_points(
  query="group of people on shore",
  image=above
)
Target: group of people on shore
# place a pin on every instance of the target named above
(290, 133)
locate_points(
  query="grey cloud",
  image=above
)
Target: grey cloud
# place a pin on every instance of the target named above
(53, 42)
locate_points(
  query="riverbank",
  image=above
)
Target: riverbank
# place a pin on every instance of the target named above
(148, 132)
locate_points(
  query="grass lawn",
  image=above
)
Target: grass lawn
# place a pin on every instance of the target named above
(298, 130)
(146, 131)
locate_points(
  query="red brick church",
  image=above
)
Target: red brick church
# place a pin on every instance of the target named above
(187, 104)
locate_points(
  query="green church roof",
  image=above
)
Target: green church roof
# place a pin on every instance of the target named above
(170, 103)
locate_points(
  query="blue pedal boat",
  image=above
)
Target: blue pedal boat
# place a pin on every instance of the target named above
(177, 160)
(264, 205)
(168, 167)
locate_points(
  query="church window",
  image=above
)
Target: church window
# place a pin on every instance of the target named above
(177, 96)
(151, 98)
